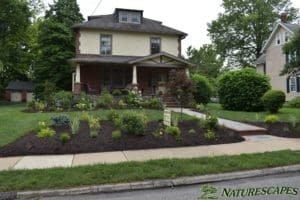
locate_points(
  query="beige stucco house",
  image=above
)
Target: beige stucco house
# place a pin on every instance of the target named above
(126, 50)
(273, 59)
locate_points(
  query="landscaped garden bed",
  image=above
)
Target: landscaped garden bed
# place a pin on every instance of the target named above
(105, 135)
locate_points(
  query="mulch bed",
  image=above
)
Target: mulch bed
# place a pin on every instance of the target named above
(281, 129)
(81, 142)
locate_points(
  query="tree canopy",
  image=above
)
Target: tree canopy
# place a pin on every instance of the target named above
(207, 60)
(56, 44)
(240, 31)
(292, 49)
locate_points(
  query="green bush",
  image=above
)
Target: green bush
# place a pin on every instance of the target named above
(85, 116)
(201, 108)
(174, 131)
(122, 104)
(241, 90)
(192, 131)
(46, 132)
(211, 122)
(202, 89)
(133, 123)
(152, 103)
(105, 99)
(83, 102)
(60, 120)
(294, 103)
(210, 135)
(271, 119)
(273, 100)
(113, 116)
(63, 99)
(132, 100)
(116, 92)
(64, 138)
(75, 125)
(116, 134)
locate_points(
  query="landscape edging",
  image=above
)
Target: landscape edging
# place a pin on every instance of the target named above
(152, 184)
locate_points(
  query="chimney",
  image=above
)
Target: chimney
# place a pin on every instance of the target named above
(284, 17)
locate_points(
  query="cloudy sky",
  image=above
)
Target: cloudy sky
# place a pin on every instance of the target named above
(190, 16)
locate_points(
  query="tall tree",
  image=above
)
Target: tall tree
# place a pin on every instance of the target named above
(239, 33)
(207, 61)
(14, 23)
(57, 44)
(292, 49)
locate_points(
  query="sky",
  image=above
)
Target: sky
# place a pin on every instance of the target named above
(189, 16)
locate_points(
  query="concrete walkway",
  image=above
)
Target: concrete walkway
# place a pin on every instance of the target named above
(252, 144)
(244, 129)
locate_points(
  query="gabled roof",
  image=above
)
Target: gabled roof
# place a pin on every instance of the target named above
(20, 86)
(108, 22)
(261, 59)
(90, 58)
(291, 28)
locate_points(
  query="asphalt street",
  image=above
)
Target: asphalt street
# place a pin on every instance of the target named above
(282, 184)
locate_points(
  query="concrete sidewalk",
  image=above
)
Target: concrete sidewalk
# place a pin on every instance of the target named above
(234, 125)
(252, 144)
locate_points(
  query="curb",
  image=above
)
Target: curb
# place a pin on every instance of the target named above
(151, 184)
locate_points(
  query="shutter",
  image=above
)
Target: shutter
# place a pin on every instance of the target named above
(298, 84)
(288, 84)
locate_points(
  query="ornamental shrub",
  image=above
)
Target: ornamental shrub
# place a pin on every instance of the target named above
(46, 133)
(294, 103)
(174, 131)
(210, 122)
(116, 134)
(83, 102)
(273, 100)
(202, 89)
(241, 90)
(210, 135)
(271, 119)
(61, 121)
(105, 99)
(64, 138)
(63, 99)
(133, 123)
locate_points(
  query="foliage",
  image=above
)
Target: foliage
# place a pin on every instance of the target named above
(240, 31)
(122, 104)
(152, 103)
(202, 89)
(180, 86)
(210, 135)
(94, 123)
(46, 132)
(241, 90)
(56, 43)
(292, 48)
(75, 125)
(83, 102)
(114, 116)
(273, 100)
(116, 92)
(63, 99)
(192, 131)
(201, 108)
(105, 99)
(94, 133)
(61, 121)
(36, 106)
(84, 116)
(132, 99)
(174, 131)
(14, 41)
(64, 138)
(42, 125)
(207, 60)
(269, 119)
(211, 122)
(45, 92)
(294, 103)
(133, 123)
(116, 134)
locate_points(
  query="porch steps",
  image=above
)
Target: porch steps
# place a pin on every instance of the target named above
(169, 101)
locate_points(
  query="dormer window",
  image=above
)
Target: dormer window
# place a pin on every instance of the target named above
(129, 17)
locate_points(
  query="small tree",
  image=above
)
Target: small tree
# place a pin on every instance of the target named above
(202, 89)
(180, 86)
(273, 100)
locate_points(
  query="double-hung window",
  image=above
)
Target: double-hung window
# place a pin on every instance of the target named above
(155, 45)
(293, 84)
(105, 44)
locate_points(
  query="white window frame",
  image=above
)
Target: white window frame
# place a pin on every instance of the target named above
(286, 36)
(129, 17)
(278, 38)
(107, 50)
(293, 79)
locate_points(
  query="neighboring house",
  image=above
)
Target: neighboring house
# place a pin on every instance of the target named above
(125, 50)
(19, 91)
(273, 59)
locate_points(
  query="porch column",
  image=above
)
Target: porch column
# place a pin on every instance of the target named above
(134, 79)
(187, 72)
(77, 84)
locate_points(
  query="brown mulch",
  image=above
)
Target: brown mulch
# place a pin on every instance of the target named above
(281, 129)
(81, 142)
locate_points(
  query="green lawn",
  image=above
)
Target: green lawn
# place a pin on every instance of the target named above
(14, 123)
(139, 171)
(285, 114)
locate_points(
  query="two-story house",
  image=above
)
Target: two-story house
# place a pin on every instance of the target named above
(125, 50)
(273, 59)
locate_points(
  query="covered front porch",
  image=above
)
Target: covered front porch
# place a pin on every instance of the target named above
(147, 75)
